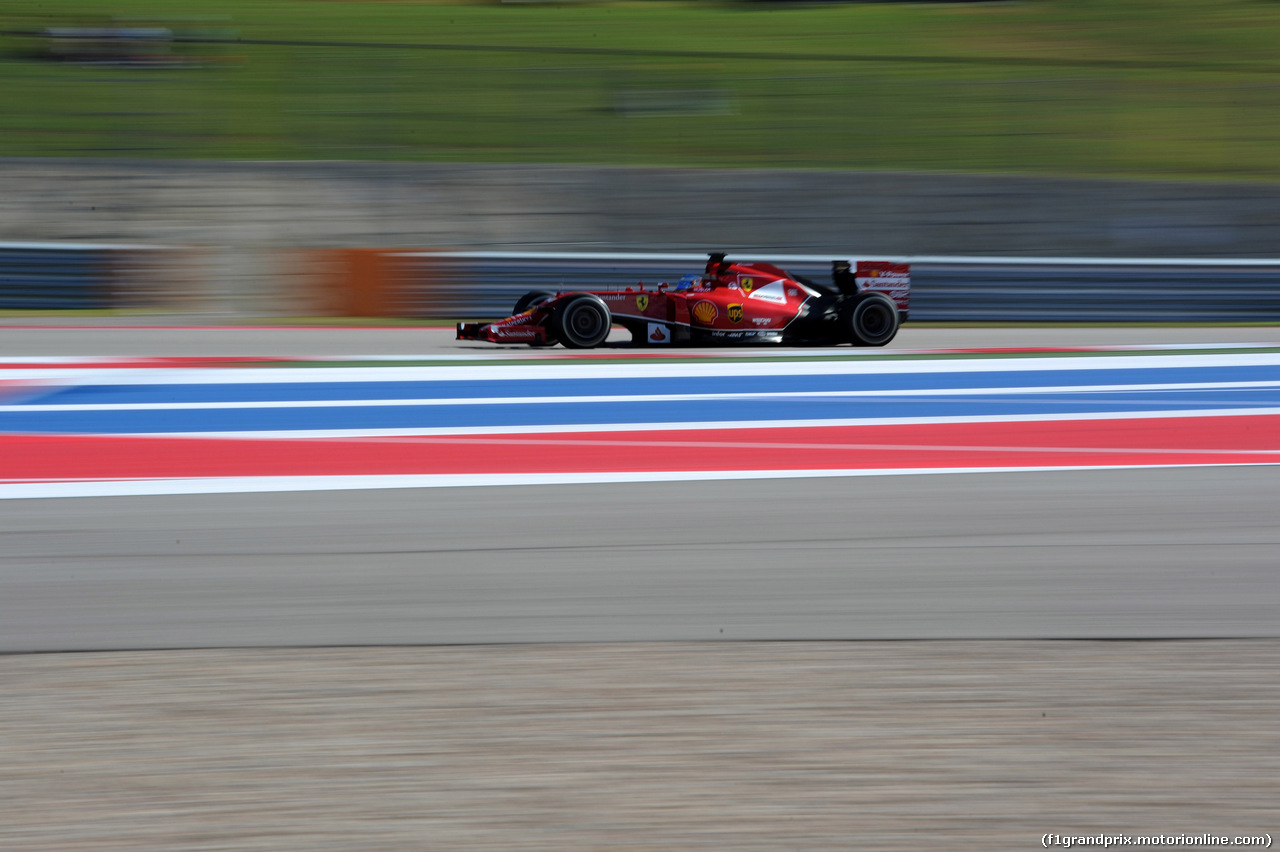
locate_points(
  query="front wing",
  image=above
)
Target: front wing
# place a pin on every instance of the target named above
(521, 328)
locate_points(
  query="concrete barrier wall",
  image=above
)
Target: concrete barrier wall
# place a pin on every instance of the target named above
(283, 238)
(317, 204)
(96, 276)
(373, 282)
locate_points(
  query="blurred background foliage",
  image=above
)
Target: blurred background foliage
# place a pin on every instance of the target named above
(1135, 88)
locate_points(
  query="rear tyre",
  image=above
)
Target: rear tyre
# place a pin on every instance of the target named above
(873, 320)
(583, 322)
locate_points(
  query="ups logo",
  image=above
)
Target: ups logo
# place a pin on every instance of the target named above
(735, 313)
(642, 303)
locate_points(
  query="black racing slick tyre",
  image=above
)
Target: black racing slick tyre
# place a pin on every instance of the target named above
(582, 322)
(532, 299)
(528, 300)
(873, 320)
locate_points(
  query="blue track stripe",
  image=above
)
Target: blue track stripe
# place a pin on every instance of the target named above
(924, 381)
(630, 412)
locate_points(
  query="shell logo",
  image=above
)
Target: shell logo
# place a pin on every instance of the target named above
(705, 311)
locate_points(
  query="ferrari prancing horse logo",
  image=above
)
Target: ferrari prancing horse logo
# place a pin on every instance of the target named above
(642, 303)
(747, 284)
(735, 313)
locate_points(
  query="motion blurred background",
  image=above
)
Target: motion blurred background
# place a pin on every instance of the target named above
(1121, 128)
(1178, 89)
(239, 159)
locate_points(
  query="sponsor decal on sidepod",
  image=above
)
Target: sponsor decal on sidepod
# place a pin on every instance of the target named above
(771, 292)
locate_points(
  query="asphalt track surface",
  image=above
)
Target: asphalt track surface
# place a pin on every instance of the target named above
(603, 743)
(1167, 553)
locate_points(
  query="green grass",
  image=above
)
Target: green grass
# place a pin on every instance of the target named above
(1173, 89)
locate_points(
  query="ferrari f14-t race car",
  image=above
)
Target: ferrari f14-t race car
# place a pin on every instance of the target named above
(731, 303)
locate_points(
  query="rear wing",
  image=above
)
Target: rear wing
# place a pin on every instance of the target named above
(880, 276)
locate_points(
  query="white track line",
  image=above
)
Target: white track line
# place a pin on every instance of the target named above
(247, 485)
(506, 370)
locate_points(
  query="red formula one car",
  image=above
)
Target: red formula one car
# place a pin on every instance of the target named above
(731, 303)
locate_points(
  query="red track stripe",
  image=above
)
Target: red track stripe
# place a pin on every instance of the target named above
(1160, 441)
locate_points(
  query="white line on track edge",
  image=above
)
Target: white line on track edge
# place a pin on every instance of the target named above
(267, 484)
(615, 370)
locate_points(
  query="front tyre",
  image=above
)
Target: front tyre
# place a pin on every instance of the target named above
(873, 320)
(583, 322)
(530, 299)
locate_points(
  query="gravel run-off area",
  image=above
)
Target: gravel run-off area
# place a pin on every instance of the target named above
(725, 746)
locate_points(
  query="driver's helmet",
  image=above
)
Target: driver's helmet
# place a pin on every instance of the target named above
(688, 282)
